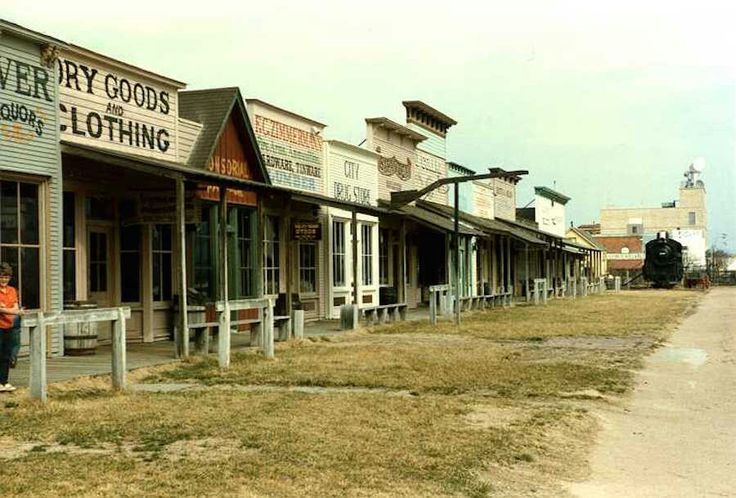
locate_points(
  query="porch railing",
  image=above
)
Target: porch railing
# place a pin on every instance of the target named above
(36, 324)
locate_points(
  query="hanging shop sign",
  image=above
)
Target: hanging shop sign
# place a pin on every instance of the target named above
(161, 208)
(104, 105)
(292, 156)
(306, 230)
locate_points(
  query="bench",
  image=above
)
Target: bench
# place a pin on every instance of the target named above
(384, 313)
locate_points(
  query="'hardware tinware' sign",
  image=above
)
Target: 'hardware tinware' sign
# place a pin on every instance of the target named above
(306, 230)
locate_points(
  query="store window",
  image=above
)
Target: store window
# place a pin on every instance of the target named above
(20, 240)
(69, 257)
(245, 252)
(367, 254)
(383, 241)
(204, 278)
(338, 253)
(271, 255)
(308, 267)
(130, 263)
(162, 257)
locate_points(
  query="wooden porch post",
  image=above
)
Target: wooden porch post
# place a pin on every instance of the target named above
(180, 263)
(355, 256)
(526, 270)
(223, 340)
(401, 286)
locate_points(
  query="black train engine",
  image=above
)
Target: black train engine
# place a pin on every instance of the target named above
(663, 262)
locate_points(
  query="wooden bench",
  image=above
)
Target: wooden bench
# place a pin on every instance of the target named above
(384, 313)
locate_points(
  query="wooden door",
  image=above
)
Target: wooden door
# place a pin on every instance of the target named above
(99, 273)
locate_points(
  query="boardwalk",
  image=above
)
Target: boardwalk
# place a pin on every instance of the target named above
(145, 355)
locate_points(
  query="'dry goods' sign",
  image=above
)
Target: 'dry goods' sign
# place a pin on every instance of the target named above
(111, 106)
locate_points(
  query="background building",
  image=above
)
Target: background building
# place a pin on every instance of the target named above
(685, 219)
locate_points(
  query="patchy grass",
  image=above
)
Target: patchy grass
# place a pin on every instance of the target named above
(497, 407)
(566, 346)
(650, 313)
(286, 444)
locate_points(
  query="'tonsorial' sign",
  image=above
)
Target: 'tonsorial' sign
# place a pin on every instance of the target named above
(107, 104)
(306, 230)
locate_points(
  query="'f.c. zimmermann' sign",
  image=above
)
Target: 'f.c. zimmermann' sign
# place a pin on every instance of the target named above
(104, 106)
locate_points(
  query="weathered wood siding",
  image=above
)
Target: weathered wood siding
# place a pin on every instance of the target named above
(188, 133)
(33, 149)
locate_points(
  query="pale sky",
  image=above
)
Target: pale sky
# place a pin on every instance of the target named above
(608, 102)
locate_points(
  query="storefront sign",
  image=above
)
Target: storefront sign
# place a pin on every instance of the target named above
(234, 196)
(292, 156)
(306, 230)
(390, 166)
(22, 121)
(353, 180)
(104, 106)
(625, 256)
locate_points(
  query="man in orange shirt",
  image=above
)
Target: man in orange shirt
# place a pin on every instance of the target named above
(9, 312)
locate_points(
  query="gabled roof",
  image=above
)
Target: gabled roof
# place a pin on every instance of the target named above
(23, 32)
(212, 108)
(587, 237)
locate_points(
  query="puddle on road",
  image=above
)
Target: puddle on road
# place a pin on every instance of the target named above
(693, 356)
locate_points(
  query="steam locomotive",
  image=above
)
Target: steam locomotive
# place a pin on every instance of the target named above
(663, 265)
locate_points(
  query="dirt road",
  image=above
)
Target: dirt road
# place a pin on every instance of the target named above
(676, 436)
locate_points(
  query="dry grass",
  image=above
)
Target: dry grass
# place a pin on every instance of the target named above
(280, 444)
(496, 408)
(634, 313)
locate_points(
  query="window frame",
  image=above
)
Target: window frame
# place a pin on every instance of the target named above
(338, 260)
(366, 254)
(20, 245)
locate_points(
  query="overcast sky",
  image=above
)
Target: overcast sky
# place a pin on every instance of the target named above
(607, 102)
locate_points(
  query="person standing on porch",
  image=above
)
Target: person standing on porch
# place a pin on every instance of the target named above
(9, 313)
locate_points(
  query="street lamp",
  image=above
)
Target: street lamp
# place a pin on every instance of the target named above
(404, 197)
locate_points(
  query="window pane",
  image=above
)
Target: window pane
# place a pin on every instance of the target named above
(130, 238)
(157, 277)
(29, 213)
(70, 271)
(30, 280)
(10, 256)
(68, 219)
(8, 212)
(166, 275)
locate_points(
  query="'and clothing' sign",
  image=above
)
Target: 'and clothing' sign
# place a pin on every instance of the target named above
(112, 106)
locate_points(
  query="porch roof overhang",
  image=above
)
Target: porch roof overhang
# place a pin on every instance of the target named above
(177, 171)
(486, 226)
(434, 220)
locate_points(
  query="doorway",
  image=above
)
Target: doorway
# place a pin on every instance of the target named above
(99, 273)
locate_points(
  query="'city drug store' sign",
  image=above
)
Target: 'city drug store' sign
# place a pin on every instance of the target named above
(108, 105)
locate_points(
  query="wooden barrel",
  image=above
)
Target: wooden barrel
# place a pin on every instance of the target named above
(80, 338)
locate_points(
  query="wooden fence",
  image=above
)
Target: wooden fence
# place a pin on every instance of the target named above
(36, 324)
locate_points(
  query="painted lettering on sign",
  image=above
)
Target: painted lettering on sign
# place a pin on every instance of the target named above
(229, 167)
(102, 105)
(350, 193)
(21, 122)
(292, 156)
